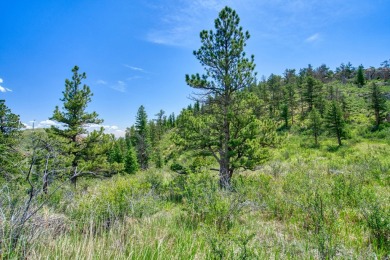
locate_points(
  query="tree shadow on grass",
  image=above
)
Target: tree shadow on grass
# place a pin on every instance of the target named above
(333, 148)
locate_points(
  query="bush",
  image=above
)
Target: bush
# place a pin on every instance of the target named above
(321, 221)
(233, 245)
(174, 190)
(346, 191)
(204, 202)
(378, 221)
(115, 199)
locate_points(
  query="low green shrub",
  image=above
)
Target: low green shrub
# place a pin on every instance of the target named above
(205, 203)
(346, 190)
(115, 199)
(377, 220)
(174, 190)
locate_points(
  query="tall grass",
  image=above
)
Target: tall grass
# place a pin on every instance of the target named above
(313, 203)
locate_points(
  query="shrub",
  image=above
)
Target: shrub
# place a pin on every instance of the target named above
(204, 202)
(115, 199)
(378, 221)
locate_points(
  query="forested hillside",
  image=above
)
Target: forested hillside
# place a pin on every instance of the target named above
(289, 166)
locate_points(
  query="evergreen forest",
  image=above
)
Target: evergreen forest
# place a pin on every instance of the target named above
(291, 166)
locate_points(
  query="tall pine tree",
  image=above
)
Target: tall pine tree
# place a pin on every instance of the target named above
(142, 138)
(334, 120)
(131, 163)
(9, 132)
(360, 81)
(74, 118)
(227, 129)
(378, 104)
(315, 124)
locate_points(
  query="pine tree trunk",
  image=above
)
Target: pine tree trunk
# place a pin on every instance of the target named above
(225, 175)
(224, 163)
(45, 183)
(377, 118)
(292, 116)
(339, 138)
(73, 179)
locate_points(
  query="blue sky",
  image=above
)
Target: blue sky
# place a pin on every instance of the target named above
(137, 52)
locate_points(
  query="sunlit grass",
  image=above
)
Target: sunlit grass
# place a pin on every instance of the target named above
(305, 203)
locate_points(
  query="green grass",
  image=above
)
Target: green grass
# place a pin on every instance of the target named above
(305, 203)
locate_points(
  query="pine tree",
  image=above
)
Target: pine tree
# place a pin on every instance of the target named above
(312, 93)
(160, 130)
(9, 136)
(153, 133)
(160, 125)
(289, 92)
(301, 93)
(275, 93)
(385, 69)
(334, 120)
(345, 105)
(131, 136)
(227, 129)
(360, 81)
(158, 158)
(131, 163)
(171, 123)
(378, 104)
(94, 157)
(74, 118)
(285, 114)
(116, 154)
(9, 122)
(344, 72)
(142, 138)
(315, 124)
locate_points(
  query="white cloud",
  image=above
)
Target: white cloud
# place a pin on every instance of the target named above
(108, 129)
(94, 126)
(181, 22)
(119, 86)
(27, 126)
(101, 82)
(47, 123)
(42, 124)
(283, 21)
(119, 133)
(313, 38)
(137, 70)
(3, 89)
(134, 78)
(134, 68)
